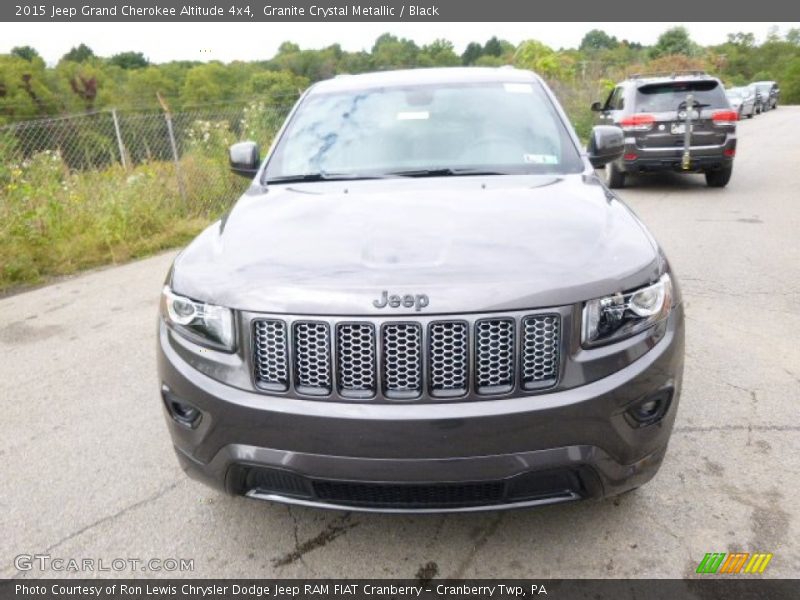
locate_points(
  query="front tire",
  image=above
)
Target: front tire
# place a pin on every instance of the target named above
(615, 177)
(719, 178)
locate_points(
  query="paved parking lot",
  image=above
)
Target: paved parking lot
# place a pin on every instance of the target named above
(88, 470)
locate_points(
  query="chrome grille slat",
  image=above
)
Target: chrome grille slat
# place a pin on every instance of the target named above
(271, 354)
(402, 360)
(540, 350)
(494, 355)
(356, 359)
(312, 357)
(417, 358)
(449, 358)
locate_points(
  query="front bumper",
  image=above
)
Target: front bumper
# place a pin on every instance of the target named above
(454, 456)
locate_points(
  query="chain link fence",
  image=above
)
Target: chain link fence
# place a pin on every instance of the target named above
(109, 185)
(194, 144)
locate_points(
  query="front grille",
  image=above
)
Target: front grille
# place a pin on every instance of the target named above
(409, 496)
(552, 484)
(407, 360)
(449, 358)
(312, 358)
(356, 359)
(402, 360)
(271, 349)
(494, 355)
(540, 352)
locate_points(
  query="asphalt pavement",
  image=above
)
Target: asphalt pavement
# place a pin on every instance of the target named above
(89, 471)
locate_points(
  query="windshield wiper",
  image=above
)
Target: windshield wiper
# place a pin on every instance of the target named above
(445, 172)
(312, 177)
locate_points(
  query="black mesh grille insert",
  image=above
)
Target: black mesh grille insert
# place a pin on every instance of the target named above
(449, 358)
(438, 495)
(312, 357)
(402, 360)
(356, 363)
(270, 354)
(494, 355)
(540, 350)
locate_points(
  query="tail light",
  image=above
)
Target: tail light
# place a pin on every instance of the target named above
(637, 122)
(725, 118)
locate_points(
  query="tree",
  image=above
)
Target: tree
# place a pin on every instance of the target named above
(471, 53)
(674, 41)
(742, 39)
(536, 56)
(79, 54)
(597, 39)
(390, 51)
(493, 47)
(25, 53)
(438, 53)
(129, 60)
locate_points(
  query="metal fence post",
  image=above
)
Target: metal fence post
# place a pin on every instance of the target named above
(171, 132)
(122, 158)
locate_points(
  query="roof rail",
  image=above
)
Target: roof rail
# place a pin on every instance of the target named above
(673, 74)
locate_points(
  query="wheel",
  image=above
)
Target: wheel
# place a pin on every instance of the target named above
(752, 113)
(615, 177)
(719, 178)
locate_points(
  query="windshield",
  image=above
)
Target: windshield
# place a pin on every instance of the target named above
(734, 94)
(417, 130)
(665, 97)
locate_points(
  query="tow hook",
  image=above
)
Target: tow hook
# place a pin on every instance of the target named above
(686, 160)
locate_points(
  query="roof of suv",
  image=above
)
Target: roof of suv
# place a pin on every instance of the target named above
(646, 78)
(425, 76)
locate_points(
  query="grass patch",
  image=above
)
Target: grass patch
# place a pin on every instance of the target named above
(56, 222)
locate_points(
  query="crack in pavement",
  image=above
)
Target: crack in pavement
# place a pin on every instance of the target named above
(107, 519)
(710, 428)
(335, 528)
(488, 532)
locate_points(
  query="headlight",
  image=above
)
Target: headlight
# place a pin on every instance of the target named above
(619, 316)
(203, 323)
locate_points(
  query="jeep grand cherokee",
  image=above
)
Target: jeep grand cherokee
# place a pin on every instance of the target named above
(425, 301)
(678, 122)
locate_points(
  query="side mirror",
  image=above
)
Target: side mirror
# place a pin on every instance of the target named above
(606, 145)
(597, 107)
(245, 159)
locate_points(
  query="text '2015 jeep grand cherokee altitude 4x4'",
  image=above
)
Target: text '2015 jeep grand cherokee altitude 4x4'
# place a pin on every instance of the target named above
(426, 301)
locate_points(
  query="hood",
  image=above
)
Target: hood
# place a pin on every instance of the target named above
(470, 244)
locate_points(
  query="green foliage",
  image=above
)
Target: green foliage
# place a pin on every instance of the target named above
(674, 41)
(129, 60)
(596, 39)
(79, 54)
(25, 52)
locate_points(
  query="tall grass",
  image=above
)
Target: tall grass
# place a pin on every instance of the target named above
(54, 222)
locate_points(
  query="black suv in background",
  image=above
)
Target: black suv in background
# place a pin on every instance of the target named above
(677, 122)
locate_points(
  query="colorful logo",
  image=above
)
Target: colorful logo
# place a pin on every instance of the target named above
(734, 562)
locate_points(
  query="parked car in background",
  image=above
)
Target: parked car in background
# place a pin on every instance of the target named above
(743, 101)
(770, 92)
(675, 122)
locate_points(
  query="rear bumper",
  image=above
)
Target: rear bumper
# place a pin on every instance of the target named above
(459, 456)
(702, 158)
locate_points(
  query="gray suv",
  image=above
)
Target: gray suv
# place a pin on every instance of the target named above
(425, 301)
(679, 122)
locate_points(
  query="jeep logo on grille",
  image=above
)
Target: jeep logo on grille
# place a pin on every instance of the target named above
(417, 302)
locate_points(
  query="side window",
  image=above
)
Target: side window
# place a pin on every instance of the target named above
(616, 100)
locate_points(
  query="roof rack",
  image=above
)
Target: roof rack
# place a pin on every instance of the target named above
(673, 74)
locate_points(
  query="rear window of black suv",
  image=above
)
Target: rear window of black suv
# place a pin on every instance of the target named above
(671, 95)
